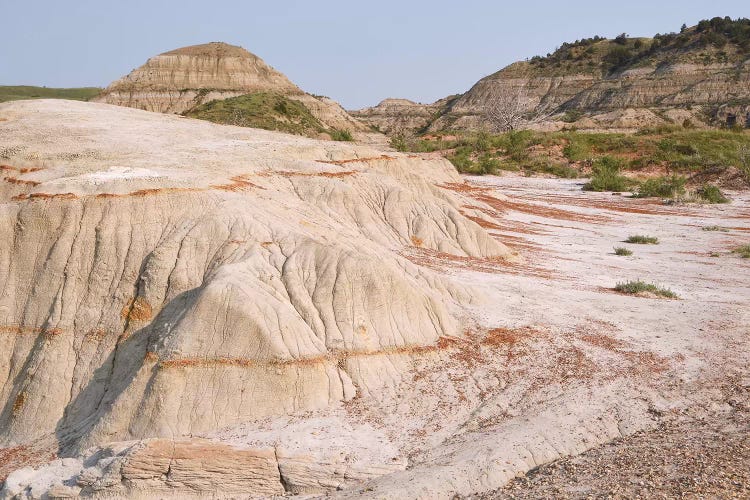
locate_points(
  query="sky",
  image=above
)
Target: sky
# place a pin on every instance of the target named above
(357, 52)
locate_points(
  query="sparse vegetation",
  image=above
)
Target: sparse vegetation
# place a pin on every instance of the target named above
(682, 154)
(720, 38)
(341, 135)
(623, 251)
(20, 92)
(606, 176)
(715, 228)
(640, 239)
(743, 251)
(671, 186)
(639, 287)
(711, 194)
(266, 110)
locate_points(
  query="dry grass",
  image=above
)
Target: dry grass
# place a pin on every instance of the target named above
(640, 239)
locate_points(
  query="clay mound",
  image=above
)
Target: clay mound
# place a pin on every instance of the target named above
(214, 50)
(214, 66)
(182, 79)
(167, 276)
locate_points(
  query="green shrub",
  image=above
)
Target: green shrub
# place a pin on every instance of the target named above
(341, 135)
(715, 228)
(711, 194)
(462, 162)
(606, 176)
(515, 143)
(642, 239)
(636, 287)
(399, 143)
(617, 56)
(623, 251)
(482, 141)
(577, 151)
(486, 164)
(743, 251)
(668, 186)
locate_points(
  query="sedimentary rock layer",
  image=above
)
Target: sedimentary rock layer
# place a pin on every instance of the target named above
(165, 276)
(181, 79)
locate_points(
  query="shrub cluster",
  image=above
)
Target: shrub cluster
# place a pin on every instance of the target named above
(668, 186)
(606, 176)
(642, 239)
(711, 194)
(636, 287)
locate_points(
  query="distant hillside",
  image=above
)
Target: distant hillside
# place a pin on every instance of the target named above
(20, 92)
(719, 40)
(194, 80)
(699, 75)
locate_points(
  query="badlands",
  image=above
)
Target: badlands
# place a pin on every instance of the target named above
(195, 310)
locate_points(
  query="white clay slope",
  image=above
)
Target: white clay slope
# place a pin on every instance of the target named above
(163, 276)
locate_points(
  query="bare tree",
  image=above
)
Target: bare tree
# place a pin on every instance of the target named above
(513, 110)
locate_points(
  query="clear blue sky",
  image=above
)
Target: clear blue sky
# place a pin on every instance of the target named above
(357, 52)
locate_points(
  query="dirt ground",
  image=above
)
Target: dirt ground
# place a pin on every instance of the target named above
(696, 450)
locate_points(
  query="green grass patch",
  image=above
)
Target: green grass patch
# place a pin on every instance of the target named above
(743, 251)
(266, 110)
(640, 239)
(637, 287)
(711, 194)
(21, 92)
(623, 251)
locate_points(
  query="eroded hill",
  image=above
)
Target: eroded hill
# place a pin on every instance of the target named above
(193, 310)
(191, 79)
(700, 75)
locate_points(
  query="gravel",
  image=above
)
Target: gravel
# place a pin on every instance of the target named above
(703, 453)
